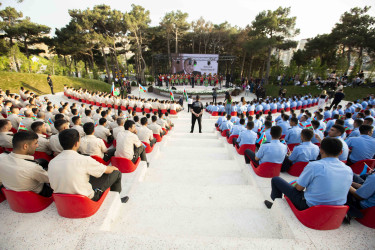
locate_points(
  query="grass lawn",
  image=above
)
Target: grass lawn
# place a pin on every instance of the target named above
(351, 94)
(37, 83)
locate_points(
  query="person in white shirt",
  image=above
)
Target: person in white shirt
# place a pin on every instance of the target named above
(72, 173)
(92, 145)
(161, 122)
(54, 142)
(43, 143)
(136, 120)
(120, 128)
(190, 101)
(101, 131)
(28, 120)
(128, 145)
(156, 129)
(14, 117)
(5, 135)
(145, 134)
(76, 120)
(88, 117)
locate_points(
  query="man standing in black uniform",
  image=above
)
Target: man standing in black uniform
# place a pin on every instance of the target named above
(49, 81)
(197, 111)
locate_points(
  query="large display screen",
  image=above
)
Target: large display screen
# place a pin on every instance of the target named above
(195, 64)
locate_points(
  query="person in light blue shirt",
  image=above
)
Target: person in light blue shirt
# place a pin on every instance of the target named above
(284, 124)
(220, 120)
(273, 106)
(257, 123)
(227, 124)
(293, 135)
(302, 113)
(293, 104)
(237, 129)
(337, 131)
(364, 193)
(221, 108)
(280, 117)
(246, 137)
(334, 112)
(363, 147)
(355, 132)
(364, 103)
(258, 108)
(317, 132)
(273, 152)
(331, 122)
(327, 113)
(305, 152)
(348, 122)
(235, 119)
(326, 181)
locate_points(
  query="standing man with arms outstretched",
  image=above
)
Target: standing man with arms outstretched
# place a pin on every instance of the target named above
(197, 111)
(49, 81)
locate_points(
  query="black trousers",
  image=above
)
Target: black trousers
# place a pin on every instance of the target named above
(234, 141)
(214, 99)
(152, 142)
(51, 86)
(109, 154)
(280, 186)
(99, 185)
(46, 191)
(189, 106)
(286, 164)
(139, 152)
(334, 103)
(193, 119)
(250, 155)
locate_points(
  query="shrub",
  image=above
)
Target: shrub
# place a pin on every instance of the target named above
(150, 89)
(236, 92)
(134, 84)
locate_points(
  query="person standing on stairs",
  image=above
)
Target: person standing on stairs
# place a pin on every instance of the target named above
(197, 111)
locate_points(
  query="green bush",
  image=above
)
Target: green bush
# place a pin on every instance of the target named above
(150, 79)
(134, 84)
(150, 89)
(236, 92)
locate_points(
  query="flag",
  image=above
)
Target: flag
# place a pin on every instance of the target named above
(21, 127)
(171, 94)
(95, 123)
(346, 128)
(262, 139)
(321, 129)
(185, 94)
(9, 112)
(113, 89)
(49, 121)
(142, 89)
(308, 126)
(301, 124)
(364, 171)
(34, 117)
(21, 115)
(293, 183)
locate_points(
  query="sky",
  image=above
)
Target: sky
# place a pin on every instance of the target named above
(313, 16)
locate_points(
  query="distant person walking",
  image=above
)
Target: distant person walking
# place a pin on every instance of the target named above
(49, 81)
(214, 95)
(197, 111)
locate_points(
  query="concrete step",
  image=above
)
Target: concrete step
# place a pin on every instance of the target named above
(195, 164)
(197, 222)
(208, 143)
(184, 135)
(194, 148)
(178, 155)
(172, 195)
(199, 177)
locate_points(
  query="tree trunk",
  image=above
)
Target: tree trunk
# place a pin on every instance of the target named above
(243, 63)
(106, 67)
(348, 57)
(169, 49)
(193, 45)
(176, 37)
(112, 64)
(75, 67)
(360, 58)
(26, 49)
(116, 61)
(250, 66)
(268, 65)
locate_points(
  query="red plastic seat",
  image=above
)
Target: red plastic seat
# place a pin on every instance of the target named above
(42, 155)
(116, 106)
(266, 111)
(304, 106)
(321, 217)
(130, 108)
(274, 111)
(230, 139)
(241, 150)
(358, 166)
(98, 159)
(114, 143)
(297, 168)
(75, 206)
(26, 201)
(368, 219)
(138, 109)
(267, 169)
(164, 111)
(257, 112)
(282, 137)
(224, 132)
(251, 112)
(148, 148)
(123, 108)
(125, 165)
(233, 114)
(2, 197)
(97, 103)
(109, 106)
(287, 109)
(173, 112)
(157, 137)
(215, 113)
(155, 110)
(107, 144)
(165, 130)
(147, 111)
(291, 146)
(13, 130)
(317, 144)
(92, 103)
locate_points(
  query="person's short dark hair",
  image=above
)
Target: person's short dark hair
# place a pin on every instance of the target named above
(228, 117)
(59, 123)
(276, 132)
(250, 125)
(331, 146)
(224, 113)
(102, 121)
(143, 121)
(348, 115)
(23, 137)
(3, 123)
(369, 120)
(128, 124)
(74, 111)
(285, 117)
(160, 114)
(340, 128)
(136, 118)
(294, 120)
(359, 122)
(103, 113)
(307, 134)
(75, 119)
(268, 124)
(242, 121)
(197, 98)
(89, 128)
(59, 117)
(36, 125)
(88, 112)
(154, 118)
(336, 116)
(340, 122)
(68, 138)
(315, 124)
(365, 129)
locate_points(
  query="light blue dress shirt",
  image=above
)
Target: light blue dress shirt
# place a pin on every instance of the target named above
(349, 123)
(272, 152)
(285, 126)
(327, 182)
(247, 137)
(363, 147)
(367, 192)
(354, 133)
(293, 135)
(226, 125)
(237, 129)
(306, 151)
(318, 132)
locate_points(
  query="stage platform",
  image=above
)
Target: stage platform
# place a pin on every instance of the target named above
(205, 92)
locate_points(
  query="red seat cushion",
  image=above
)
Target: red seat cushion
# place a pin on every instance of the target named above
(42, 155)
(215, 113)
(125, 165)
(148, 148)
(291, 146)
(358, 166)
(77, 206)
(157, 137)
(138, 109)
(241, 150)
(368, 219)
(297, 168)
(267, 169)
(224, 132)
(233, 114)
(173, 112)
(230, 139)
(26, 201)
(147, 111)
(98, 159)
(322, 217)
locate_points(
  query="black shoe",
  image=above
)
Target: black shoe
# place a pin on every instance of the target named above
(148, 164)
(347, 219)
(191, 131)
(268, 204)
(200, 132)
(124, 199)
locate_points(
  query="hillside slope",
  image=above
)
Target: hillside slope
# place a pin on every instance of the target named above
(38, 83)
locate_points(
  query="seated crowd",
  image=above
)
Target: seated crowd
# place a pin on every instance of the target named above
(69, 134)
(328, 141)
